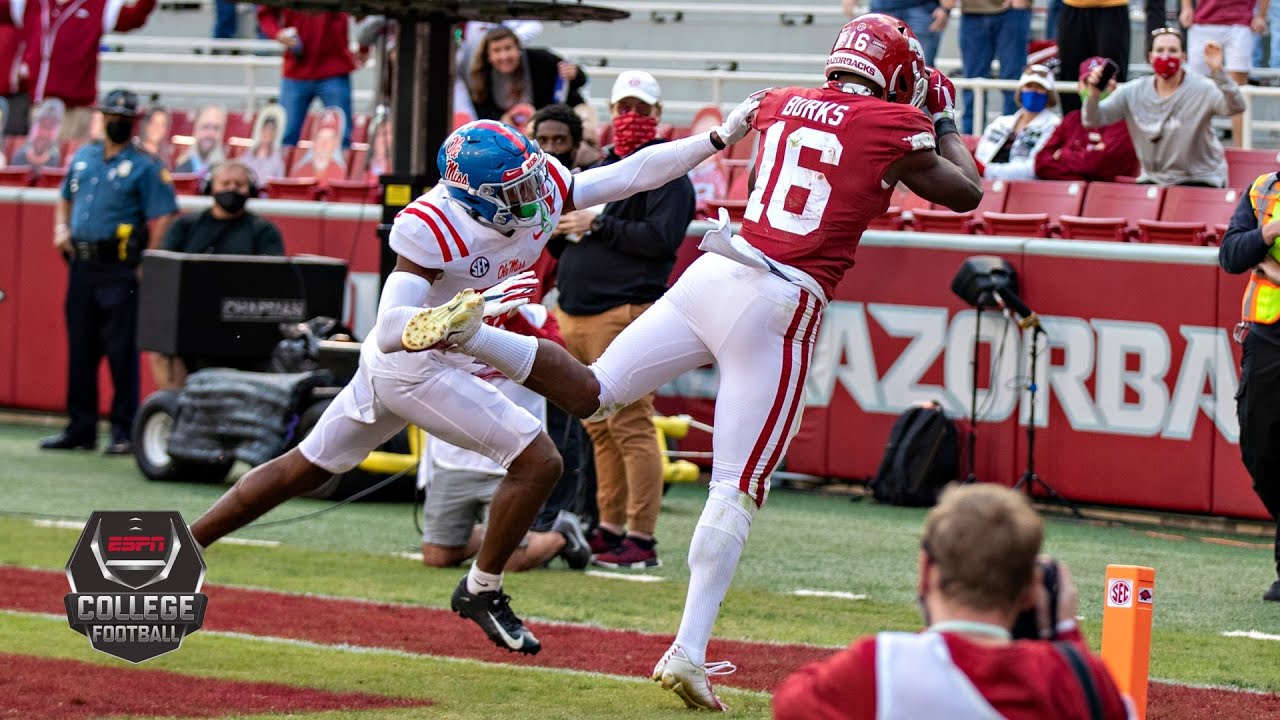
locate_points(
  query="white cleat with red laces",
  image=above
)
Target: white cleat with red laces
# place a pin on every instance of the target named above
(691, 682)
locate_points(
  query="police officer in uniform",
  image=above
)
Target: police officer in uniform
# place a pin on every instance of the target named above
(1249, 245)
(112, 190)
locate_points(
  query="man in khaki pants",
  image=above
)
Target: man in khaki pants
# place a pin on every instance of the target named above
(614, 262)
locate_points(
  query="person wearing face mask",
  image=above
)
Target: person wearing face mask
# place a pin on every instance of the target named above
(1010, 144)
(226, 227)
(1169, 114)
(1078, 153)
(614, 262)
(978, 559)
(112, 191)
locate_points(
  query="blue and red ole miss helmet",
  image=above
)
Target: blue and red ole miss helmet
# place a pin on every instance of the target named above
(882, 49)
(497, 172)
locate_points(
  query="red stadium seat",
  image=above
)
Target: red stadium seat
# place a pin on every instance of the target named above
(353, 191)
(1111, 211)
(1030, 204)
(181, 122)
(1188, 215)
(1244, 166)
(890, 220)
(293, 188)
(50, 177)
(745, 148)
(360, 130)
(187, 183)
(357, 161)
(735, 200)
(16, 176)
(239, 124)
(940, 220)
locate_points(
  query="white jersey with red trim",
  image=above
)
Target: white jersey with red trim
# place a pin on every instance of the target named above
(438, 233)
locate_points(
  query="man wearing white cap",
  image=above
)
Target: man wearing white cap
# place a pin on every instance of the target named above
(1009, 145)
(615, 270)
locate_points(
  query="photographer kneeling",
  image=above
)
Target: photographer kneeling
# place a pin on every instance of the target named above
(978, 571)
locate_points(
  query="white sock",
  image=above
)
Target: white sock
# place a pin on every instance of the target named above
(713, 557)
(479, 581)
(509, 353)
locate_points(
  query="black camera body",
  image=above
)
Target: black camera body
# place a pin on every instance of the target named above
(1026, 626)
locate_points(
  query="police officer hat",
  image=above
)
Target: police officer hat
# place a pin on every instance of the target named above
(120, 102)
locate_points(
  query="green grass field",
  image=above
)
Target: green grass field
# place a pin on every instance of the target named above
(799, 541)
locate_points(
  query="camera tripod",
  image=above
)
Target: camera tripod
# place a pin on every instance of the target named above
(1029, 478)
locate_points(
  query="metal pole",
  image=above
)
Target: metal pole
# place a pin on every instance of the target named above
(403, 94)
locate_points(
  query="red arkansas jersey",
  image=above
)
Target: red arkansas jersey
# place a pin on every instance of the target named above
(821, 156)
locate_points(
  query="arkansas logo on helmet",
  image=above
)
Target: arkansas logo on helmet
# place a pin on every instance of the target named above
(882, 49)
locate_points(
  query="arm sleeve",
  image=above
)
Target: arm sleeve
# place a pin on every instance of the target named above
(1242, 245)
(269, 240)
(402, 296)
(175, 236)
(158, 197)
(1110, 110)
(269, 21)
(668, 211)
(1231, 101)
(646, 169)
(132, 17)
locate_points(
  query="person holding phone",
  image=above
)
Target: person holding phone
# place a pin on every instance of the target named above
(1169, 113)
(1075, 152)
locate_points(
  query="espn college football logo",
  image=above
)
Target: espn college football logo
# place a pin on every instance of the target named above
(135, 583)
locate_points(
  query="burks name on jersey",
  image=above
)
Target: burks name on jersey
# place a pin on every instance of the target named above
(818, 111)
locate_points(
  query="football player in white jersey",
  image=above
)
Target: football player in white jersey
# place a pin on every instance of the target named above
(480, 227)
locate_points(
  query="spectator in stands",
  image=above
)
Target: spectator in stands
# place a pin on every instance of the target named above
(116, 201)
(527, 31)
(1092, 27)
(558, 130)
(978, 558)
(1010, 144)
(379, 162)
(1169, 114)
(992, 30)
(206, 151)
(1249, 245)
(1231, 24)
(41, 148)
(614, 263)
(926, 18)
(460, 484)
(226, 227)
(502, 74)
(324, 160)
(264, 157)
(62, 57)
(317, 63)
(154, 135)
(13, 82)
(1077, 153)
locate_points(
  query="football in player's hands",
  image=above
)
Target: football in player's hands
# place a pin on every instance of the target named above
(941, 98)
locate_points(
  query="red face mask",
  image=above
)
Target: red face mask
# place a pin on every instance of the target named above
(1166, 66)
(631, 130)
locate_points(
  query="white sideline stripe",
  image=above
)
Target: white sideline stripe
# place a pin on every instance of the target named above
(417, 557)
(61, 524)
(829, 594)
(394, 652)
(1251, 634)
(77, 525)
(624, 576)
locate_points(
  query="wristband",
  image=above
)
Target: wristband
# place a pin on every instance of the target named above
(717, 142)
(944, 126)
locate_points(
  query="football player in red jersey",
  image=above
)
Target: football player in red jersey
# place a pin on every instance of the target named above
(828, 160)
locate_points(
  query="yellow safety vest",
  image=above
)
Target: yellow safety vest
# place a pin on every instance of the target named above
(1261, 301)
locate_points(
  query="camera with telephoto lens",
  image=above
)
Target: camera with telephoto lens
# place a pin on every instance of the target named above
(1027, 625)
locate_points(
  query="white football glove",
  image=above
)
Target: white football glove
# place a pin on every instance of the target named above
(738, 122)
(510, 294)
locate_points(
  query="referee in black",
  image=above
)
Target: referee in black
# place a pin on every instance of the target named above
(116, 201)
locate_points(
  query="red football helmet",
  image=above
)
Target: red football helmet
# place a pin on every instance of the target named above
(882, 49)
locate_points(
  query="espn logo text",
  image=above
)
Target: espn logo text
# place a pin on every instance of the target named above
(135, 543)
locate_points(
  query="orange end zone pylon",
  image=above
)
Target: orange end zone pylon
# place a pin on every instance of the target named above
(1126, 629)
